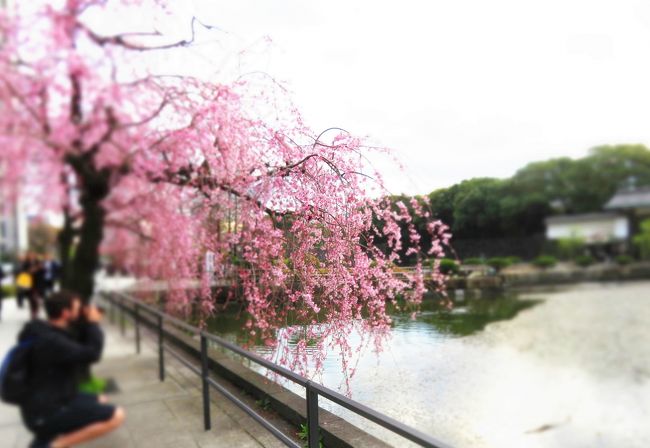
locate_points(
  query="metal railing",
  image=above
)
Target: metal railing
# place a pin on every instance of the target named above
(313, 390)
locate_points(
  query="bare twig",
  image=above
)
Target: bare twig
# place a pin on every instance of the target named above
(121, 40)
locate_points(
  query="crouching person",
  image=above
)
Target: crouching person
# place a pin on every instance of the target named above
(53, 409)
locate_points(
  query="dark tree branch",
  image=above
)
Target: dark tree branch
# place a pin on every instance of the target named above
(45, 122)
(284, 170)
(75, 99)
(200, 179)
(121, 40)
(146, 120)
(111, 126)
(24, 102)
(126, 226)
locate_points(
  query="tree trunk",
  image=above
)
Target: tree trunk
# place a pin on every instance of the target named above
(65, 240)
(95, 186)
(86, 257)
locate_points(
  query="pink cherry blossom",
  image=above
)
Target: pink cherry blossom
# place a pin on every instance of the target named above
(156, 169)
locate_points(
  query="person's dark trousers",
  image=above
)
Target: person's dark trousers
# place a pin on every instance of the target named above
(82, 411)
(21, 295)
(33, 299)
(49, 288)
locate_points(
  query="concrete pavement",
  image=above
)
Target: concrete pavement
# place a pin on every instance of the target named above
(159, 414)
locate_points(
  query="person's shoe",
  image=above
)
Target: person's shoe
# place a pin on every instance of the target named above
(38, 443)
(111, 387)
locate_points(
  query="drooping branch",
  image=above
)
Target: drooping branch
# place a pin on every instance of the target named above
(22, 100)
(44, 99)
(133, 229)
(148, 118)
(76, 114)
(285, 170)
(187, 177)
(112, 125)
(121, 40)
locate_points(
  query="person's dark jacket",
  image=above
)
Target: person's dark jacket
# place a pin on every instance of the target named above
(54, 361)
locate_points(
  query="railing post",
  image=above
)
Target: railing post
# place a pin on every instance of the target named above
(122, 323)
(161, 351)
(313, 430)
(206, 387)
(136, 321)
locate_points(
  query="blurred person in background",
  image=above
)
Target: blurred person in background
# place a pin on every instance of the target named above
(2, 277)
(24, 279)
(40, 285)
(52, 273)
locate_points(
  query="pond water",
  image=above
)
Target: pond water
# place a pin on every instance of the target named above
(567, 368)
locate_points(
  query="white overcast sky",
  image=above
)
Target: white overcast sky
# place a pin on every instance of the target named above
(461, 88)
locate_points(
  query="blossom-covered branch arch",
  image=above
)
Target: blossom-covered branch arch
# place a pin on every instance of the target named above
(153, 167)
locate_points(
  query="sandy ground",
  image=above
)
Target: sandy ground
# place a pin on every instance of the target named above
(573, 371)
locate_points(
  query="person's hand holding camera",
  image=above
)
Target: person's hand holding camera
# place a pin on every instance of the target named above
(93, 314)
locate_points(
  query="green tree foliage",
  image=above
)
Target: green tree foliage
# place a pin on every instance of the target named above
(570, 247)
(584, 260)
(642, 240)
(487, 207)
(449, 266)
(624, 260)
(498, 263)
(442, 204)
(545, 261)
(477, 208)
(586, 184)
(517, 206)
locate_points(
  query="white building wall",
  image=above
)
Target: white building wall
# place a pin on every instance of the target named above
(13, 228)
(606, 229)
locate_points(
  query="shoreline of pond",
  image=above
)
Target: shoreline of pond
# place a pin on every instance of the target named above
(480, 281)
(563, 274)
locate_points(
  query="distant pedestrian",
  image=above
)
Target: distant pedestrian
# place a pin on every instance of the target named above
(2, 292)
(24, 279)
(40, 283)
(52, 273)
(54, 410)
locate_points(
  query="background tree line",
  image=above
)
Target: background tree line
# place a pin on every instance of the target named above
(515, 208)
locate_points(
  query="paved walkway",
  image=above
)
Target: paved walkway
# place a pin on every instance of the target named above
(166, 414)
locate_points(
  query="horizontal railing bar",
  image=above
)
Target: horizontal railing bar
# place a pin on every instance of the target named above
(258, 359)
(222, 342)
(251, 412)
(145, 306)
(381, 419)
(179, 323)
(165, 316)
(182, 360)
